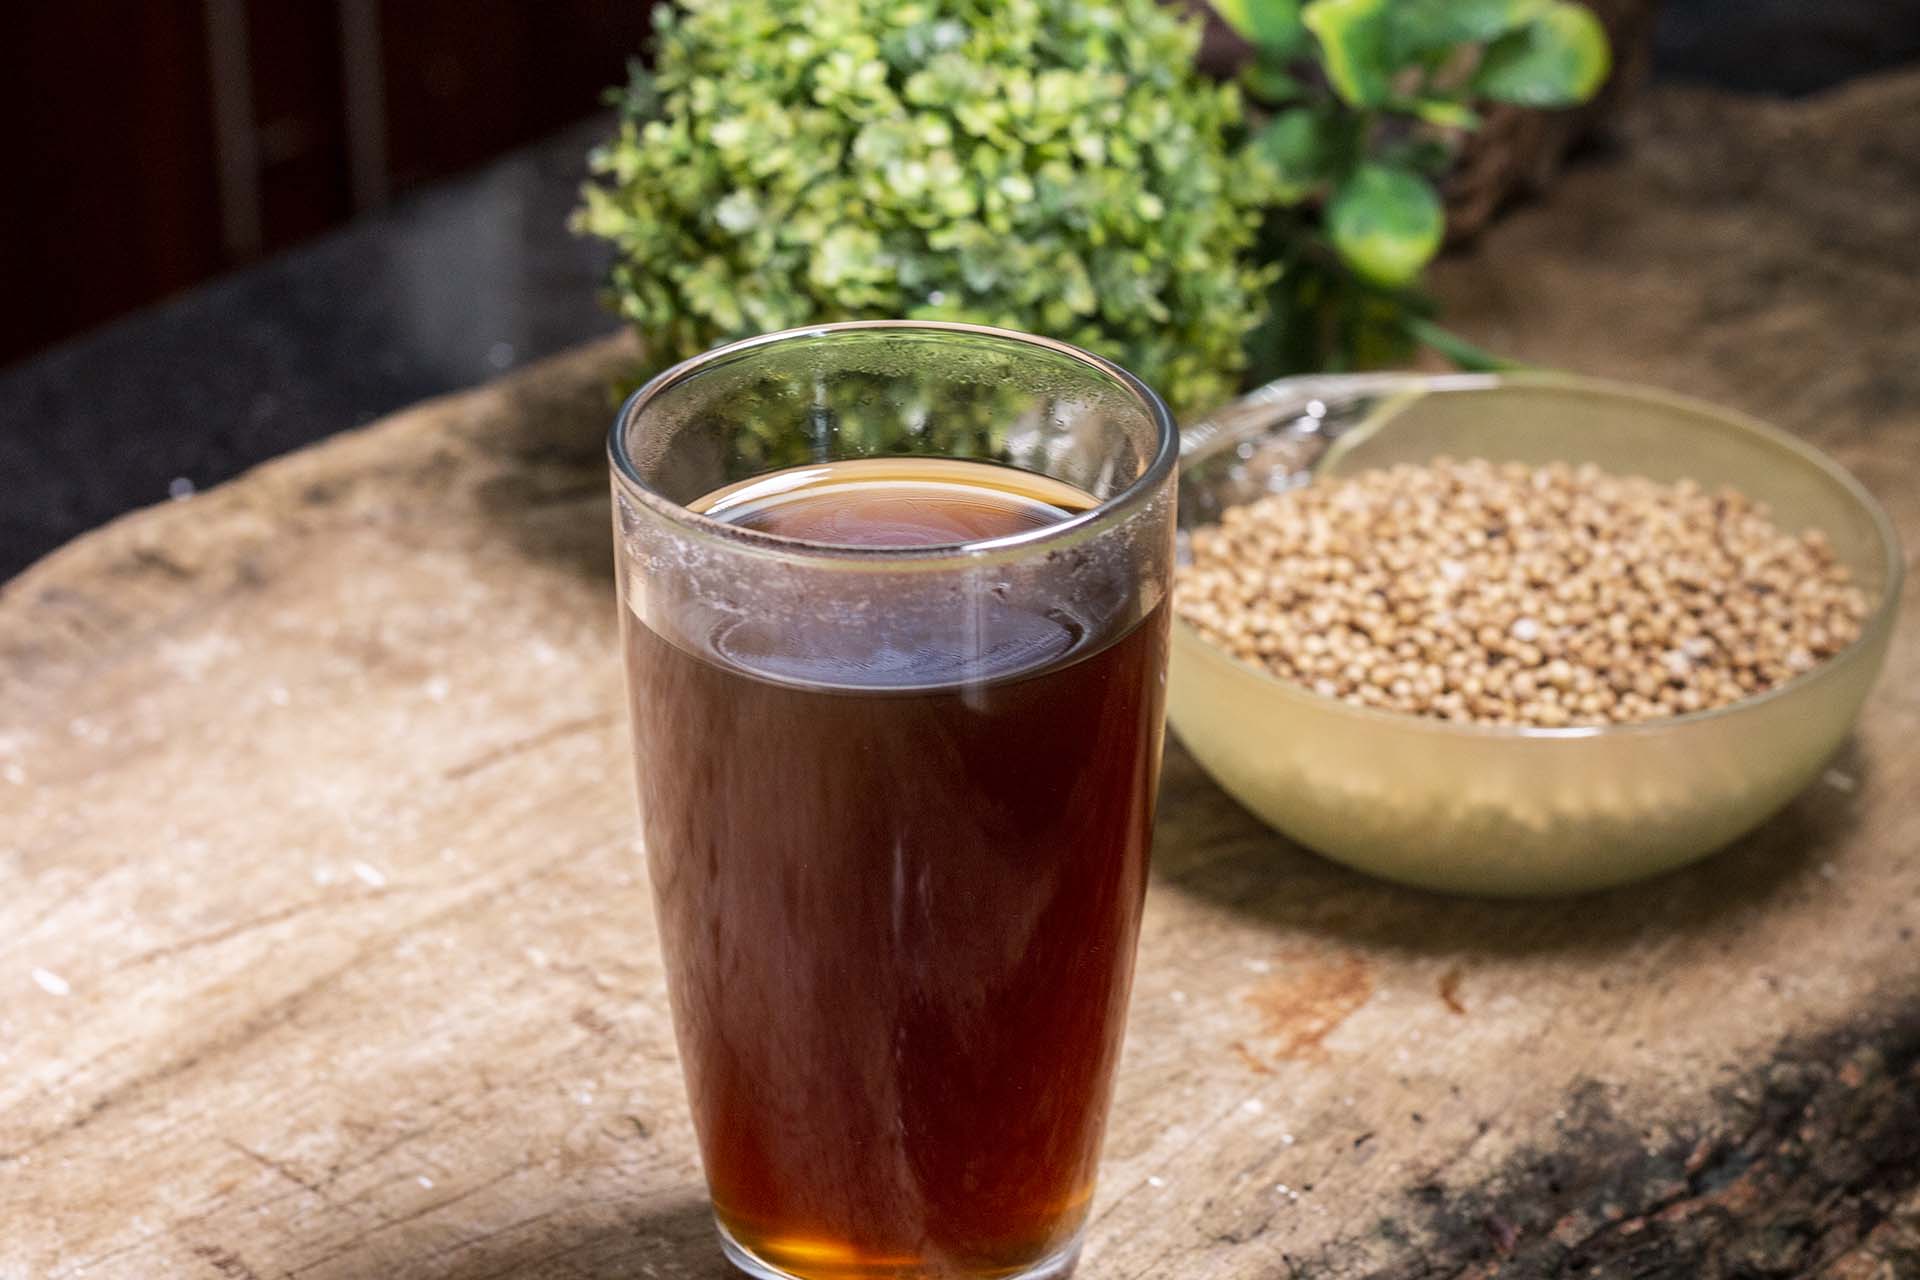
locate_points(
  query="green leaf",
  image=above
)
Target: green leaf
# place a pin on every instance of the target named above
(1271, 24)
(1270, 83)
(1296, 148)
(1557, 60)
(1421, 153)
(1386, 223)
(1464, 354)
(1439, 111)
(1419, 26)
(1353, 46)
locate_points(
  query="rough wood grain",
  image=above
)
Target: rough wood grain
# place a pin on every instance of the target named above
(325, 951)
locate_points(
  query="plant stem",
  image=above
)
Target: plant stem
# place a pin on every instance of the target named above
(1463, 353)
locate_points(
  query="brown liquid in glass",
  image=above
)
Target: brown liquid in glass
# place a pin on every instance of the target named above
(898, 891)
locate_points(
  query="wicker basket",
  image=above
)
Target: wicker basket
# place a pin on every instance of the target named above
(1516, 151)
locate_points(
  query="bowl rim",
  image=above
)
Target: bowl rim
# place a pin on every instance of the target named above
(1872, 631)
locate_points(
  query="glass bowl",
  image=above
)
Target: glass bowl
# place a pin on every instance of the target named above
(1500, 810)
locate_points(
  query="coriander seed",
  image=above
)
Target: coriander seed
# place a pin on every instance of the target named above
(1496, 593)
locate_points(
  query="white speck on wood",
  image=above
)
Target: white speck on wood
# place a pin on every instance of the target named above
(51, 983)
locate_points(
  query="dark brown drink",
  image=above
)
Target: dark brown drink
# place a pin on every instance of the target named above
(898, 882)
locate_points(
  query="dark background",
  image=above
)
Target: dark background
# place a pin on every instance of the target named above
(165, 141)
(160, 144)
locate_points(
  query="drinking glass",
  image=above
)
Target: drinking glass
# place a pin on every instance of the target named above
(896, 800)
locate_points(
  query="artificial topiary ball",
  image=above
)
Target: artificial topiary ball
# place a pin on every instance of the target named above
(1056, 166)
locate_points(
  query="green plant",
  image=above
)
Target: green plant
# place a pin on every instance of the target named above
(1052, 165)
(1368, 102)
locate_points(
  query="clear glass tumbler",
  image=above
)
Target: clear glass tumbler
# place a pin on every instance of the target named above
(897, 791)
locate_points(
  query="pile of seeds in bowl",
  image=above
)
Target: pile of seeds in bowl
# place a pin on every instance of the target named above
(1508, 594)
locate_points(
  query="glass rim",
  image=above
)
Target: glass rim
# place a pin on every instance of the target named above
(1076, 528)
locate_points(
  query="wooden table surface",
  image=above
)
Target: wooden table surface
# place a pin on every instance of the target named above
(325, 951)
